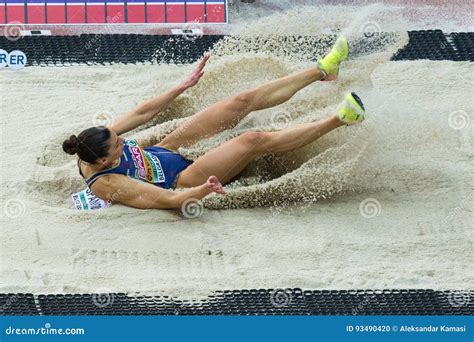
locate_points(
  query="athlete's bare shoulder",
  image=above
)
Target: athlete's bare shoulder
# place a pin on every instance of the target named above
(106, 186)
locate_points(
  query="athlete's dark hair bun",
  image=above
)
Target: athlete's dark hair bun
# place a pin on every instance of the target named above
(72, 145)
(90, 144)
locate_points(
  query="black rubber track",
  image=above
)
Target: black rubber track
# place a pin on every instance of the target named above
(248, 302)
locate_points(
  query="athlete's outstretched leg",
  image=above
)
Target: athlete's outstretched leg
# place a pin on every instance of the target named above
(350, 112)
(227, 113)
(229, 159)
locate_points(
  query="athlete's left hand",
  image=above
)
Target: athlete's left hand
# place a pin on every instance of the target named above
(215, 185)
(193, 79)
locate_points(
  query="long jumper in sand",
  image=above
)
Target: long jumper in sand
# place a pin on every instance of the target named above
(122, 171)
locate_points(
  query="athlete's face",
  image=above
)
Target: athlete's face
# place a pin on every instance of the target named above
(116, 147)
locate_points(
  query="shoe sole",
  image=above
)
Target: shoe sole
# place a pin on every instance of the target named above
(358, 100)
(346, 43)
(354, 101)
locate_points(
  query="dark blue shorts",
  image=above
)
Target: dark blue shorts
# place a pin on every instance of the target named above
(171, 162)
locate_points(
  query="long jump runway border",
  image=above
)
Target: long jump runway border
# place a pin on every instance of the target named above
(252, 302)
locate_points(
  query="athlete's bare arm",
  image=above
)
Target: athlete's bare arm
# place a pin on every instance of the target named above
(149, 109)
(141, 195)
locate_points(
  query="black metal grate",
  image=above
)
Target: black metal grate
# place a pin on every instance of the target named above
(248, 302)
(104, 49)
(137, 48)
(17, 304)
(464, 45)
(435, 45)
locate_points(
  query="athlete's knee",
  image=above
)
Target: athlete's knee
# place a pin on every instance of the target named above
(244, 100)
(254, 139)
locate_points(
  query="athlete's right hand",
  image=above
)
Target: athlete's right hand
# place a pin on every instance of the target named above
(215, 185)
(193, 79)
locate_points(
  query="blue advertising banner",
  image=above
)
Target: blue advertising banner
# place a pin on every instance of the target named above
(237, 328)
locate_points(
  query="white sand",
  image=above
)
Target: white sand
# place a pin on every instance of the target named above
(406, 158)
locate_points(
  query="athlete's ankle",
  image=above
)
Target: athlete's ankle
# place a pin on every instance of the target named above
(325, 74)
(337, 121)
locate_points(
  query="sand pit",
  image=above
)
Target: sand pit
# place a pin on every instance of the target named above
(387, 204)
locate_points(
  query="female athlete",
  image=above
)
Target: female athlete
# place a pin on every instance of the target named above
(124, 171)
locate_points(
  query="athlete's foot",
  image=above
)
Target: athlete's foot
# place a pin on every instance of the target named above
(351, 110)
(330, 63)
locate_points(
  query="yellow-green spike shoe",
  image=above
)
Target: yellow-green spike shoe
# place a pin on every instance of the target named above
(351, 110)
(330, 63)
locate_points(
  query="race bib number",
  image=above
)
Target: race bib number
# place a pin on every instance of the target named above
(87, 200)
